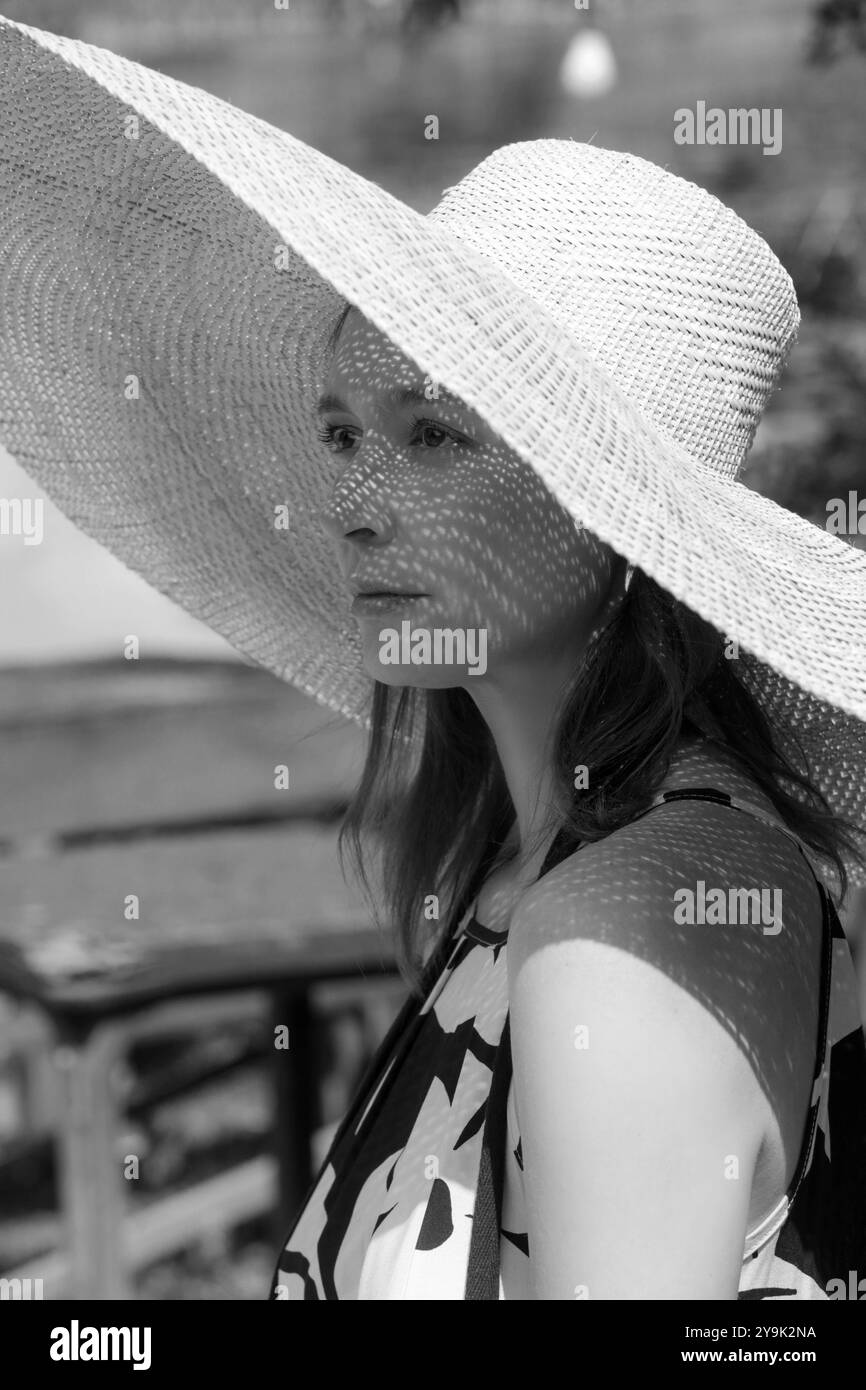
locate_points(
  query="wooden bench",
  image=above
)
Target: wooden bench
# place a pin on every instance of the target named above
(153, 878)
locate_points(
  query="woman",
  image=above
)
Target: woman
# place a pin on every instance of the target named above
(663, 1069)
(616, 700)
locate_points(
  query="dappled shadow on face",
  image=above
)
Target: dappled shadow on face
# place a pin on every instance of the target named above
(430, 499)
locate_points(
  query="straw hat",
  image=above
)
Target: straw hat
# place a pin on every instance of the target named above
(171, 268)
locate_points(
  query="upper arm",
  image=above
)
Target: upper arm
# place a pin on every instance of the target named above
(635, 1043)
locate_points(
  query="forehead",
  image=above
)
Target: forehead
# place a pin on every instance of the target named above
(366, 366)
(365, 354)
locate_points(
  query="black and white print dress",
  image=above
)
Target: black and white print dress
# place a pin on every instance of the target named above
(389, 1215)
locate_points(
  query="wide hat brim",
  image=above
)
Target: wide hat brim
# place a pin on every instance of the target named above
(166, 301)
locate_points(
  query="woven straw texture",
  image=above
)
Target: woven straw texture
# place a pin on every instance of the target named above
(619, 327)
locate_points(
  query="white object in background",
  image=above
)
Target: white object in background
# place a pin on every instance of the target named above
(589, 66)
(69, 598)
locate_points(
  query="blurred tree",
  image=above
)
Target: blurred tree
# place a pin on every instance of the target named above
(832, 22)
(420, 15)
(408, 17)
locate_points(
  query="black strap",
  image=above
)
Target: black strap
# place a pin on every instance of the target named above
(482, 1273)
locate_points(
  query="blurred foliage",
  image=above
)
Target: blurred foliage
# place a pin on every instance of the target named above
(70, 17)
(811, 444)
(837, 26)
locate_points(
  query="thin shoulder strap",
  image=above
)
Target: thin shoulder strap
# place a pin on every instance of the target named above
(738, 804)
(482, 1275)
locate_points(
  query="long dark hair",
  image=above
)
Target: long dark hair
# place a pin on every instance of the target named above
(433, 793)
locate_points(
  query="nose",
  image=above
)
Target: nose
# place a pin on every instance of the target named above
(355, 517)
(364, 523)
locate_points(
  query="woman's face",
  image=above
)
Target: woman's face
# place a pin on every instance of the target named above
(429, 500)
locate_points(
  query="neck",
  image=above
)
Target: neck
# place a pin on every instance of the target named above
(519, 715)
(519, 702)
(519, 707)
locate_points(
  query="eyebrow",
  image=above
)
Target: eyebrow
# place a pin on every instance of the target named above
(397, 396)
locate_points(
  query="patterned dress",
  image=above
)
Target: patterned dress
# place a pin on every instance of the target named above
(389, 1215)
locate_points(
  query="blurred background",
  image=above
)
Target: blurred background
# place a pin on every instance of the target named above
(171, 764)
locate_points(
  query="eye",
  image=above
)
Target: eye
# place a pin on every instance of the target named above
(329, 435)
(339, 438)
(422, 427)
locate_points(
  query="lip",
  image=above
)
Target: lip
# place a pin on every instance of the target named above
(384, 602)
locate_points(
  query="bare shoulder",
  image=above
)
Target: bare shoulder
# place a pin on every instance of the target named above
(701, 914)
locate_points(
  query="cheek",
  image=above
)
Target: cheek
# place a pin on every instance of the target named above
(584, 568)
(522, 589)
(498, 550)
(567, 587)
(518, 546)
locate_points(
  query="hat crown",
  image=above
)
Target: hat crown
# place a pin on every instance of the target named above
(666, 288)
